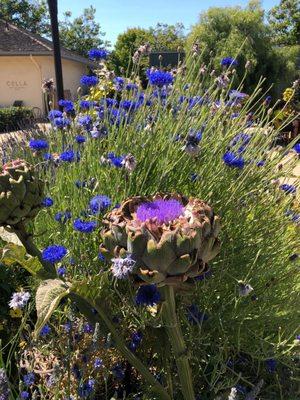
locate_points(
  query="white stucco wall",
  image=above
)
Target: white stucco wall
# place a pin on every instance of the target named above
(21, 78)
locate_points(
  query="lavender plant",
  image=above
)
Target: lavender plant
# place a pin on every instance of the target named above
(160, 266)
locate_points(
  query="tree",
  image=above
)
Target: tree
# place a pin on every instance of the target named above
(167, 37)
(30, 15)
(284, 21)
(81, 34)
(242, 34)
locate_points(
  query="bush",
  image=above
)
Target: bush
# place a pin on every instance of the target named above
(13, 117)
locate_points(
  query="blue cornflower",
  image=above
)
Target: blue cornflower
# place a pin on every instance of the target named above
(45, 330)
(88, 328)
(115, 160)
(68, 156)
(194, 315)
(129, 105)
(289, 189)
(98, 363)
(136, 339)
(84, 226)
(118, 372)
(4, 385)
(54, 253)
(271, 365)
(194, 177)
(76, 371)
(119, 82)
(80, 139)
(297, 148)
(122, 266)
(61, 122)
(98, 54)
(89, 80)
(47, 202)
(147, 295)
(29, 379)
(99, 203)
(241, 138)
(86, 104)
(67, 326)
(54, 114)
(85, 121)
(101, 257)
(131, 86)
(86, 388)
(24, 394)
(232, 160)
(68, 105)
(38, 144)
(268, 100)
(62, 216)
(160, 78)
(61, 271)
(228, 61)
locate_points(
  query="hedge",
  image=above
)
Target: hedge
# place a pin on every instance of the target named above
(13, 118)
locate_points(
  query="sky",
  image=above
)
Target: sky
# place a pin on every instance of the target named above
(115, 16)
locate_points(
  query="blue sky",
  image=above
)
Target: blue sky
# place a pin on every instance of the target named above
(117, 15)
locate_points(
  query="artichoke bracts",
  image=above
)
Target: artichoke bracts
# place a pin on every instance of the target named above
(21, 193)
(171, 238)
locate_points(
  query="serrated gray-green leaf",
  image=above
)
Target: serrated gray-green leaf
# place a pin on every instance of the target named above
(48, 297)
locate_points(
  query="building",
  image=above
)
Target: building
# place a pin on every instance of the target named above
(165, 59)
(26, 59)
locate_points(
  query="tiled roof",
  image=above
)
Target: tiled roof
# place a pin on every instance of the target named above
(16, 41)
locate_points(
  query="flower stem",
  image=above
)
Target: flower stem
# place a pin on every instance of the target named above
(177, 341)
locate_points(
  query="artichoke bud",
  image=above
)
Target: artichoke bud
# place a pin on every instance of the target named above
(171, 238)
(21, 193)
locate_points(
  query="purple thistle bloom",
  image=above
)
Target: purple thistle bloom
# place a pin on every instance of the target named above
(289, 189)
(160, 78)
(164, 211)
(98, 54)
(45, 330)
(228, 61)
(147, 295)
(122, 267)
(84, 226)
(68, 156)
(19, 300)
(47, 202)
(54, 254)
(38, 144)
(4, 387)
(89, 80)
(29, 379)
(99, 203)
(232, 160)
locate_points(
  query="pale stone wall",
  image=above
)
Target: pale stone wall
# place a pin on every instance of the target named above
(21, 78)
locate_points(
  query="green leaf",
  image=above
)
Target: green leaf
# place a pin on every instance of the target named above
(14, 254)
(92, 288)
(48, 297)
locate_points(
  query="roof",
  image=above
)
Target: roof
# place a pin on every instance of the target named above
(15, 41)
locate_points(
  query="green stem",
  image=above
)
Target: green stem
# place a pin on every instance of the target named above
(177, 341)
(134, 361)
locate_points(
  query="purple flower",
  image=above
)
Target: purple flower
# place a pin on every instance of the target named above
(164, 211)
(4, 387)
(118, 372)
(297, 148)
(29, 379)
(147, 295)
(119, 82)
(98, 54)
(45, 330)
(61, 122)
(122, 267)
(62, 216)
(86, 104)
(19, 300)
(98, 363)
(99, 203)
(68, 105)
(54, 114)
(54, 254)
(271, 365)
(24, 394)
(61, 271)
(80, 139)
(114, 160)
(86, 388)
(234, 161)
(89, 80)
(38, 144)
(84, 226)
(47, 202)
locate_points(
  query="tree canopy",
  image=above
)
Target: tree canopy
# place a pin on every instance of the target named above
(284, 21)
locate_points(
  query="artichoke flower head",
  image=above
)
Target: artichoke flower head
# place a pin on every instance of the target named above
(21, 192)
(171, 238)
